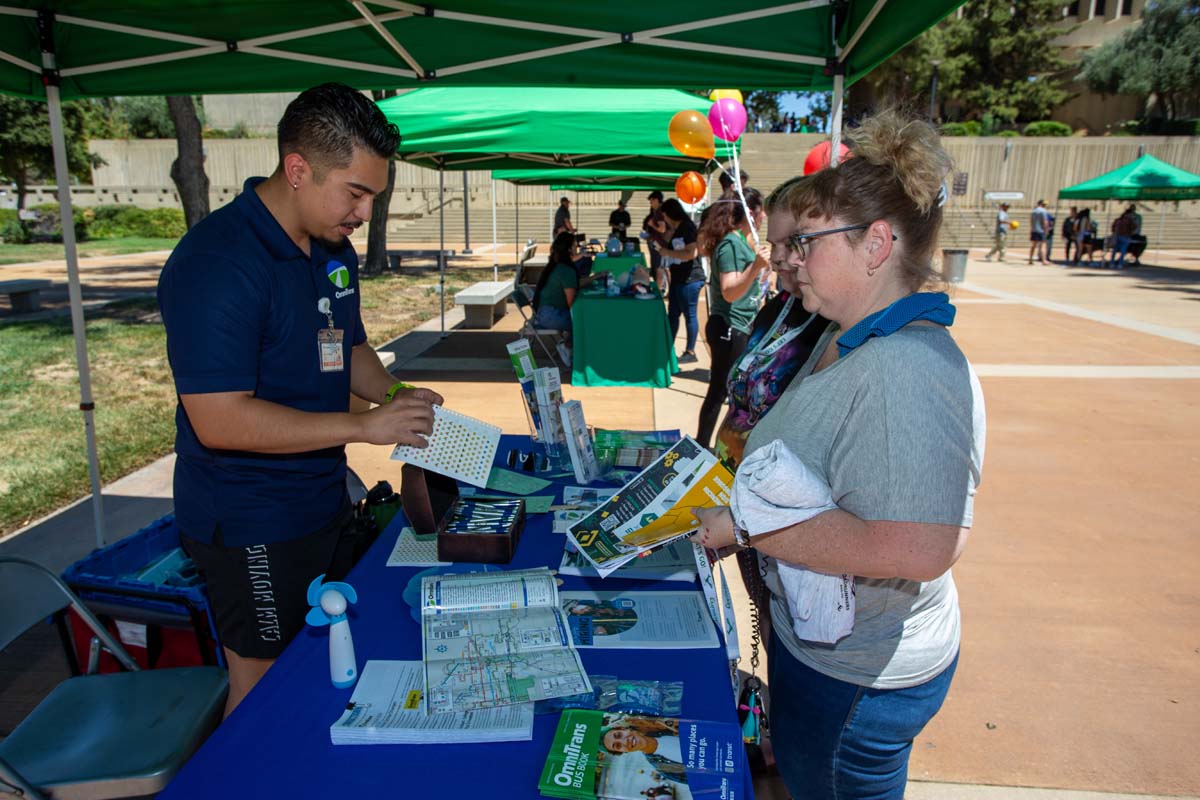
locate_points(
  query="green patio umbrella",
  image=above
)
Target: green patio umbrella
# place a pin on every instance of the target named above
(61, 49)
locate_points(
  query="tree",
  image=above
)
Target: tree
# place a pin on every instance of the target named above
(187, 170)
(1158, 58)
(146, 117)
(998, 59)
(26, 153)
(376, 260)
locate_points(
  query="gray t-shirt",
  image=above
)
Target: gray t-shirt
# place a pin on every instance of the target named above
(896, 428)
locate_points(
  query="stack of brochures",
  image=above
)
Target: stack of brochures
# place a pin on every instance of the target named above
(617, 449)
(596, 754)
(387, 708)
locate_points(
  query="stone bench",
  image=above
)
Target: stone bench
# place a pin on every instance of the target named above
(484, 302)
(24, 294)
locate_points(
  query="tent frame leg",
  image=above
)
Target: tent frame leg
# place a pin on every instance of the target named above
(62, 177)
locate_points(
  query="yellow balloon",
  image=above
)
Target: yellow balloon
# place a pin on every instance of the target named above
(720, 94)
(691, 134)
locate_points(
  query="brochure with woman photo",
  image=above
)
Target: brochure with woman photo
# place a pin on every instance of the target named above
(626, 757)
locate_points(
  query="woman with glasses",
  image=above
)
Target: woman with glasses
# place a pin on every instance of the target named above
(887, 416)
(725, 237)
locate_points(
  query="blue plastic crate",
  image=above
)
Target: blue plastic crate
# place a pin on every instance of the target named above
(145, 571)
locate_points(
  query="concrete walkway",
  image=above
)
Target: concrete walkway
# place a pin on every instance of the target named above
(1080, 669)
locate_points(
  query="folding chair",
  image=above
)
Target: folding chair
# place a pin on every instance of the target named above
(99, 736)
(523, 299)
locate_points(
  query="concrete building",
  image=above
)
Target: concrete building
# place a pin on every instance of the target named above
(1090, 23)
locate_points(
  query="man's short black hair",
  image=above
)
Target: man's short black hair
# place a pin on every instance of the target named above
(564, 199)
(325, 123)
(726, 180)
(656, 195)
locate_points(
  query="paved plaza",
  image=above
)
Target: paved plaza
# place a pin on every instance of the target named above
(1080, 667)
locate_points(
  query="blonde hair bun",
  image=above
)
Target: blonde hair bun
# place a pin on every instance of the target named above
(911, 149)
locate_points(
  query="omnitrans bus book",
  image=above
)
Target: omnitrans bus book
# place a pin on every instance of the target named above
(625, 757)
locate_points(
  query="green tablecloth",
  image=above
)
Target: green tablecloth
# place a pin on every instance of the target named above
(619, 264)
(621, 341)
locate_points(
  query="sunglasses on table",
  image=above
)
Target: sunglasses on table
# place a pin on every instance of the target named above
(801, 243)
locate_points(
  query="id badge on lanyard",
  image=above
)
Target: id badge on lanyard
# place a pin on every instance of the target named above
(329, 341)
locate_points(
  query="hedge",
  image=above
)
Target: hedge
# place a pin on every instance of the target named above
(1047, 127)
(98, 222)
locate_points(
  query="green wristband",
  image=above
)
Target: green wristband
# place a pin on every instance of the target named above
(387, 398)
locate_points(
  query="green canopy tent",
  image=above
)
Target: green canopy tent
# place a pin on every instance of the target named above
(1144, 179)
(577, 129)
(63, 49)
(588, 179)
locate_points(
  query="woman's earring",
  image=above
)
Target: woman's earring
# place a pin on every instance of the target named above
(871, 271)
(295, 185)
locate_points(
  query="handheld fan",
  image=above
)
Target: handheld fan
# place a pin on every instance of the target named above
(329, 602)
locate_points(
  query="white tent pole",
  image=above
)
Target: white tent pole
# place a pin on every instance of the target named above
(442, 245)
(835, 119)
(517, 231)
(62, 177)
(495, 246)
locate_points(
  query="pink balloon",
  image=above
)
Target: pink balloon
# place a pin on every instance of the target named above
(728, 119)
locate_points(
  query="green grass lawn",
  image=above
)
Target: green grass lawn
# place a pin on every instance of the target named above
(21, 253)
(43, 454)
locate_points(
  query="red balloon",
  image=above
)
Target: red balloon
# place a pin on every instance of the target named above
(818, 157)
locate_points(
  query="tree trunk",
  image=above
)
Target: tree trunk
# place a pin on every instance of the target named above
(187, 171)
(376, 261)
(22, 188)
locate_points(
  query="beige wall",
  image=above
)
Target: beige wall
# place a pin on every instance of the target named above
(1038, 167)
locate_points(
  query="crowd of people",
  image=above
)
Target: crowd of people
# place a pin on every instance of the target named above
(843, 385)
(1081, 234)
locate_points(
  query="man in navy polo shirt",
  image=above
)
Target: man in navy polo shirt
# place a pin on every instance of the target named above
(261, 307)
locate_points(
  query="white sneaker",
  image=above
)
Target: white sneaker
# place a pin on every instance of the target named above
(564, 353)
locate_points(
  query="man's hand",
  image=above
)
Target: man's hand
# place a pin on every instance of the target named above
(423, 394)
(716, 527)
(401, 421)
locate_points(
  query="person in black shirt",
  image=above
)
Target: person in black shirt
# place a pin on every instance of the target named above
(562, 218)
(619, 220)
(686, 275)
(654, 226)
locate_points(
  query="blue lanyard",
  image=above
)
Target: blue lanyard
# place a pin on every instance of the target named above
(931, 306)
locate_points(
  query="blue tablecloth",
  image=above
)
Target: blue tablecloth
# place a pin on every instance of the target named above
(276, 744)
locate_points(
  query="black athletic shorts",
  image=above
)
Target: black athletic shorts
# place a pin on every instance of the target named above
(258, 593)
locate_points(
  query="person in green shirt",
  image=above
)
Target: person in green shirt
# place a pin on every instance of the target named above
(737, 269)
(557, 286)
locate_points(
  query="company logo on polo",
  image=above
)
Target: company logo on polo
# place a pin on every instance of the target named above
(339, 274)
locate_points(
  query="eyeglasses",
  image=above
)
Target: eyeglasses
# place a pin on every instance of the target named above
(801, 243)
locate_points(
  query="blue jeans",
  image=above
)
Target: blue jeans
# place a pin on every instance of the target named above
(685, 299)
(1121, 247)
(838, 741)
(551, 318)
